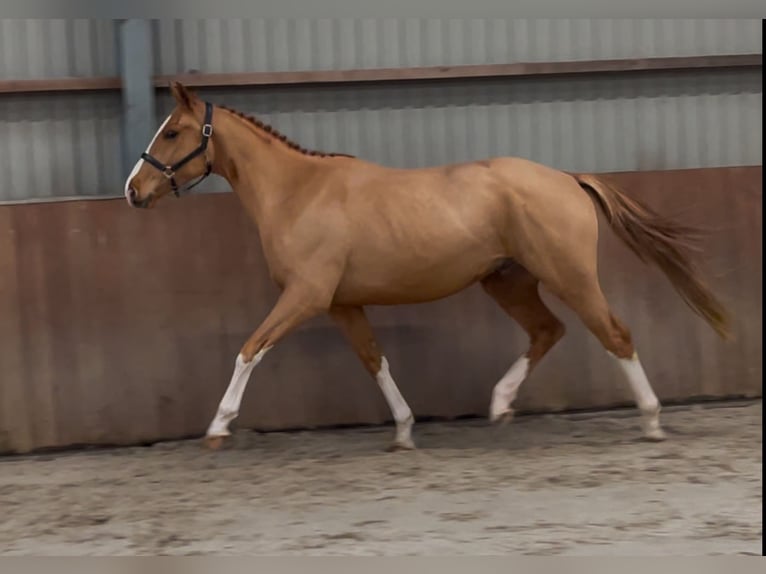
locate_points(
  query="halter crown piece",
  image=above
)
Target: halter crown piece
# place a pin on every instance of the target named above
(169, 171)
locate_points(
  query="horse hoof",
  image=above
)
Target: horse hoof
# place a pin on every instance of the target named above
(655, 435)
(214, 442)
(501, 419)
(401, 445)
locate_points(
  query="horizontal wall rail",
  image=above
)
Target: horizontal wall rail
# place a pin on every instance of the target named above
(630, 65)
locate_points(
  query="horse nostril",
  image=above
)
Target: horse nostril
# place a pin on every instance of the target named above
(132, 196)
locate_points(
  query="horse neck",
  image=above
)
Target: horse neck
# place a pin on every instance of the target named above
(260, 169)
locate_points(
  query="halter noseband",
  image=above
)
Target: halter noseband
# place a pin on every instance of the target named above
(169, 171)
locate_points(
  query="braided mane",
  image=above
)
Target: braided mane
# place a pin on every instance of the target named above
(280, 136)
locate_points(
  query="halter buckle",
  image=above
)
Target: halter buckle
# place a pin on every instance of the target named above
(207, 130)
(168, 172)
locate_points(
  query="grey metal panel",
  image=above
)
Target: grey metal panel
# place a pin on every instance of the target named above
(290, 44)
(41, 48)
(61, 146)
(655, 121)
(51, 48)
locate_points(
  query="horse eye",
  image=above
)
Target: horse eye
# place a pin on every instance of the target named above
(171, 134)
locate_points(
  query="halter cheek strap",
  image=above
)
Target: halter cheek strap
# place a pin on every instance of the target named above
(169, 171)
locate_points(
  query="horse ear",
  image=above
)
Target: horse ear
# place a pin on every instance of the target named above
(183, 96)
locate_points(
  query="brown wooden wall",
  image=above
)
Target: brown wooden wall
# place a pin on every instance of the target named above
(120, 326)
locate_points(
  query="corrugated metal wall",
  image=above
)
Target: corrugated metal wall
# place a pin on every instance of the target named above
(53, 48)
(40, 48)
(68, 144)
(216, 45)
(59, 145)
(598, 123)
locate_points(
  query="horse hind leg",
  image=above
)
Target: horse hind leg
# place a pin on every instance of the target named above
(516, 291)
(593, 309)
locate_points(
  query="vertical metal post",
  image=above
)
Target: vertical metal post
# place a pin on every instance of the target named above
(134, 42)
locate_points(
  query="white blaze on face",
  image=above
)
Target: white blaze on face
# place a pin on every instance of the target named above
(140, 162)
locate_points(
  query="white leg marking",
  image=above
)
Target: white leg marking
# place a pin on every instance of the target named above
(140, 162)
(645, 398)
(228, 409)
(399, 407)
(505, 390)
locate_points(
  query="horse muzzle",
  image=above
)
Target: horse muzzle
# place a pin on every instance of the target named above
(134, 201)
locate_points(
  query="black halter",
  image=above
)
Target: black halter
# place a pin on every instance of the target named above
(169, 171)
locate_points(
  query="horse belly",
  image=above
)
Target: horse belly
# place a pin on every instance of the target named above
(383, 279)
(422, 243)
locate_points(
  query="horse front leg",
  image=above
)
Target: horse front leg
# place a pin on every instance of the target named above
(295, 306)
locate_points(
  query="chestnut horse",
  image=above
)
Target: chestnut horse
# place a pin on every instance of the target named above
(339, 233)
